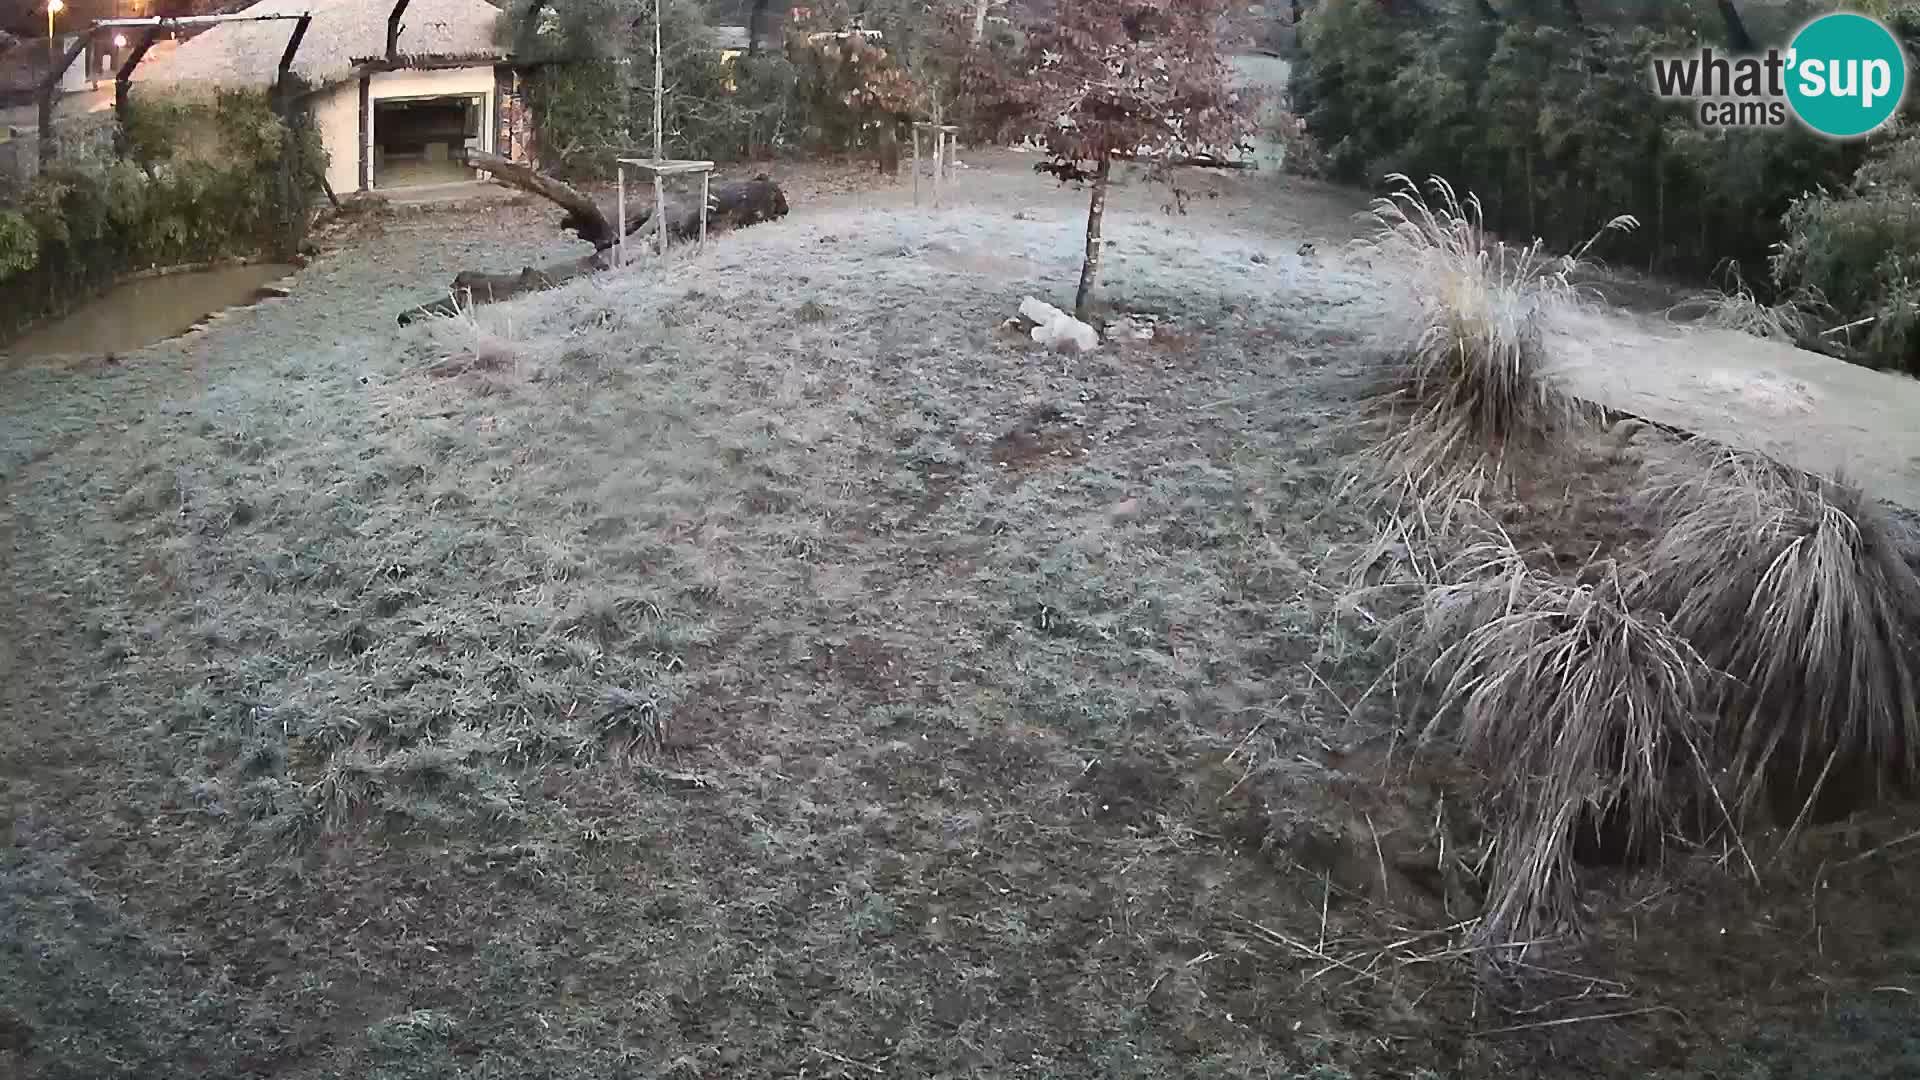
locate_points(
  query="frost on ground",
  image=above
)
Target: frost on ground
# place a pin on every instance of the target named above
(753, 663)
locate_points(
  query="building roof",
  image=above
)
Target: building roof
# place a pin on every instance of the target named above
(247, 54)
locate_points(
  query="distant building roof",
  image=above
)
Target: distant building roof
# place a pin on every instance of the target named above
(247, 54)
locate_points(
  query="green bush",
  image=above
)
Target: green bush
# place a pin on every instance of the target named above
(19, 244)
(580, 121)
(202, 180)
(1859, 250)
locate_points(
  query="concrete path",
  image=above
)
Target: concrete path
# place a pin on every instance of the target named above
(1801, 408)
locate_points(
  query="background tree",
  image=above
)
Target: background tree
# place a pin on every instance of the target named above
(1545, 110)
(859, 89)
(1103, 79)
(592, 84)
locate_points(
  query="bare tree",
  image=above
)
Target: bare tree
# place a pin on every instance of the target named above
(1141, 80)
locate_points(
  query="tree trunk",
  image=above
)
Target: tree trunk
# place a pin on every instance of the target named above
(731, 205)
(887, 152)
(1738, 39)
(1659, 203)
(756, 25)
(1533, 217)
(584, 217)
(1096, 214)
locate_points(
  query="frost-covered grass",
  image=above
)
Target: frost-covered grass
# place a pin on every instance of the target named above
(721, 640)
(753, 664)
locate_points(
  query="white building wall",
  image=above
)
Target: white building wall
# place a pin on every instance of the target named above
(337, 112)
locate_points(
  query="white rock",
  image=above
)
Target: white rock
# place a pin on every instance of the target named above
(1057, 329)
(1073, 332)
(1039, 311)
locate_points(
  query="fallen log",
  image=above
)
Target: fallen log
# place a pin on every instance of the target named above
(474, 287)
(733, 205)
(1191, 161)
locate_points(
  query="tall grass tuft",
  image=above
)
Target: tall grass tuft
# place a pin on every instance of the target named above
(1473, 382)
(1735, 306)
(1799, 587)
(1576, 703)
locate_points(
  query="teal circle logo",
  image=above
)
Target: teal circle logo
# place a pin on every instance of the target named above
(1846, 75)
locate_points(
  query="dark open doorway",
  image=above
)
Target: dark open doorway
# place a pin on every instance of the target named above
(418, 140)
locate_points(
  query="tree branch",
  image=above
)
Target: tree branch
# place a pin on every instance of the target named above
(583, 217)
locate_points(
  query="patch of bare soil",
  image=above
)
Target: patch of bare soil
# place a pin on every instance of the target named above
(1047, 436)
(690, 694)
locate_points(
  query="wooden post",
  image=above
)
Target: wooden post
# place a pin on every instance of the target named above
(939, 130)
(393, 30)
(294, 221)
(939, 140)
(284, 73)
(659, 135)
(916, 164)
(659, 90)
(123, 80)
(660, 209)
(706, 200)
(366, 133)
(49, 89)
(620, 227)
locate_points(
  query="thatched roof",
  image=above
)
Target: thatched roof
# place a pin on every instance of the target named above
(343, 32)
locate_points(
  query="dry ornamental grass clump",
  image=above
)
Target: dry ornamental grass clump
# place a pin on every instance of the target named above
(1736, 307)
(1798, 587)
(1473, 382)
(1758, 651)
(1574, 701)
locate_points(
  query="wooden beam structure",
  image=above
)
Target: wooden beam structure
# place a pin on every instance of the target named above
(285, 70)
(123, 82)
(187, 22)
(660, 169)
(943, 136)
(49, 86)
(659, 166)
(370, 64)
(393, 30)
